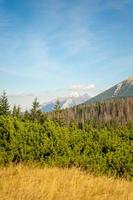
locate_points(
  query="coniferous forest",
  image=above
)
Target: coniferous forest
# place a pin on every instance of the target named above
(96, 137)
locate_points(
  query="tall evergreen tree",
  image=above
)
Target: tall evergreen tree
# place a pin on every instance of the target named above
(57, 106)
(35, 111)
(4, 105)
(57, 111)
(16, 111)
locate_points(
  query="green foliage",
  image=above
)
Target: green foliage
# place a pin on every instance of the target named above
(33, 137)
(27, 115)
(100, 150)
(35, 111)
(16, 111)
(57, 106)
(4, 105)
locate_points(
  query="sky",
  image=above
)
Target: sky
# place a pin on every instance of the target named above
(50, 48)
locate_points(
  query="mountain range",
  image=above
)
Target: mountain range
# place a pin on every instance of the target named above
(121, 90)
(65, 102)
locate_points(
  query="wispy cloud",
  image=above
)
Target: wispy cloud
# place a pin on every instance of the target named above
(82, 87)
(62, 42)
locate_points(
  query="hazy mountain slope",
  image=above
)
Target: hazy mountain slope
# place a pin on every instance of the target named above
(67, 102)
(123, 89)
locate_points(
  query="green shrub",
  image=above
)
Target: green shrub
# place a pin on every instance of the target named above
(106, 149)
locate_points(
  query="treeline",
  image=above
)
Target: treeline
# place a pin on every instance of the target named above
(34, 114)
(34, 137)
(119, 111)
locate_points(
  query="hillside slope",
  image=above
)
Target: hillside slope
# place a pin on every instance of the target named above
(121, 90)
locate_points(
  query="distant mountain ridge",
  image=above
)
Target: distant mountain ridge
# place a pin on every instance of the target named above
(66, 102)
(121, 90)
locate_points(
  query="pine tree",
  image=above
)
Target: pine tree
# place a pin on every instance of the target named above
(19, 111)
(57, 111)
(35, 111)
(26, 115)
(16, 111)
(57, 106)
(4, 105)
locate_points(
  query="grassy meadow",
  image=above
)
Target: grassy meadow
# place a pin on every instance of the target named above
(35, 183)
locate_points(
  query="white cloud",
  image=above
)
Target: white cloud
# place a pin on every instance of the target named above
(24, 100)
(82, 87)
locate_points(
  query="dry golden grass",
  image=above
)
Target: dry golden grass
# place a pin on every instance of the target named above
(33, 183)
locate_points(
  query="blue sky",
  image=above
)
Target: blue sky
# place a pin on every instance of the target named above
(57, 46)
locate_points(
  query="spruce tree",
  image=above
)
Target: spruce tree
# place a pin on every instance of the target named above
(16, 111)
(57, 106)
(35, 111)
(57, 111)
(4, 105)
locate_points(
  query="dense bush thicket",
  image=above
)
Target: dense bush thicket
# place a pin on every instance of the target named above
(101, 150)
(33, 137)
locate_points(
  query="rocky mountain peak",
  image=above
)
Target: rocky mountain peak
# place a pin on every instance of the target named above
(130, 80)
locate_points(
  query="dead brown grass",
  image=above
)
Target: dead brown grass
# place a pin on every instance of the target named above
(33, 183)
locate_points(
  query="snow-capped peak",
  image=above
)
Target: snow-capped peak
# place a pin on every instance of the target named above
(74, 94)
(130, 80)
(66, 102)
